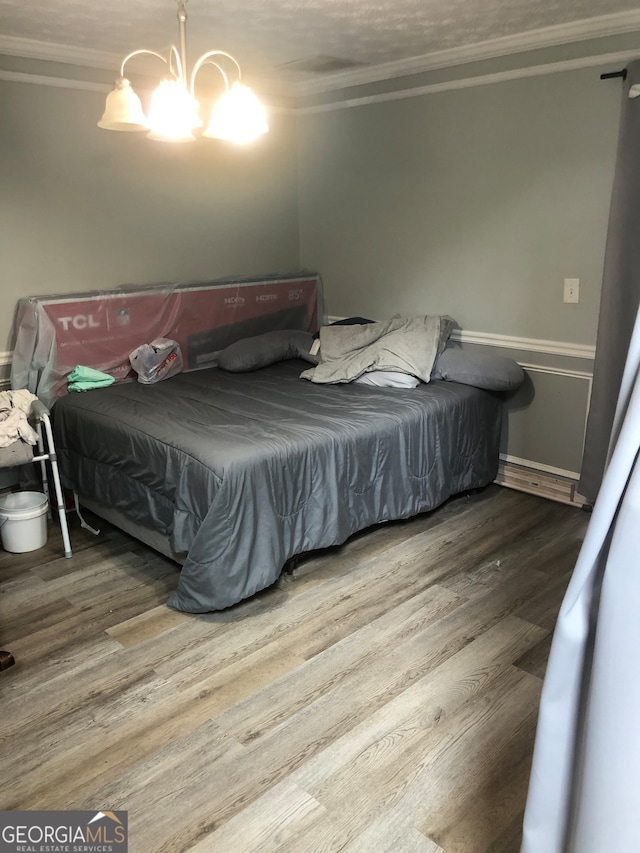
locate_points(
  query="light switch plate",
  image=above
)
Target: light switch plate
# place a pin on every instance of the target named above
(571, 290)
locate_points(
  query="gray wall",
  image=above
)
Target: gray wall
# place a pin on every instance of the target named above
(82, 208)
(477, 203)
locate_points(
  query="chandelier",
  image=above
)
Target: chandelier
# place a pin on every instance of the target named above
(173, 115)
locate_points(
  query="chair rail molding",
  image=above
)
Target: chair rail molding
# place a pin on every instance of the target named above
(493, 339)
(490, 339)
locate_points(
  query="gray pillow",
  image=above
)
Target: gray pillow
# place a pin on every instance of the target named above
(263, 350)
(491, 372)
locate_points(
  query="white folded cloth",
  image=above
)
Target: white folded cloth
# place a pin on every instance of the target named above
(14, 410)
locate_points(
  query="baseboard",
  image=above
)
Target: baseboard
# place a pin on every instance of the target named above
(535, 482)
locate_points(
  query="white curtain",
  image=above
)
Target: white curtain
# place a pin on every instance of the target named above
(584, 791)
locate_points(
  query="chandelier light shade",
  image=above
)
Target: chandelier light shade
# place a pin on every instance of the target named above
(238, 116)
(123, 110)
(173, 114)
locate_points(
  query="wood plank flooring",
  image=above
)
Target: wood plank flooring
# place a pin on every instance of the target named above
(384, 699)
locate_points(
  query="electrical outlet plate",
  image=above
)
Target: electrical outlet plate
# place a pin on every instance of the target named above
(571, 290)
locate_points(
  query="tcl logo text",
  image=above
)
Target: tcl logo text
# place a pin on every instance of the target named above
(80, 322)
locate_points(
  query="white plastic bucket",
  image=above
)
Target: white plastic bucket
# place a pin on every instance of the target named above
(23, 521)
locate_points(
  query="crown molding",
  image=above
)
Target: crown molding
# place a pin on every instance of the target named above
(104, 88)
(56, 82)
(50, 52)
(98, 59)
(396, 94)
(596, 61)
(600, 27)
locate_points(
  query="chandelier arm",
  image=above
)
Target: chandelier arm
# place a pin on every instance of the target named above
(205, 59)
(174, 52)
(225, 76)
(182, 29)
(137, 53)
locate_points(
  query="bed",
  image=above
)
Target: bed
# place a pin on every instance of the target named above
(241, 472)
(239, 465)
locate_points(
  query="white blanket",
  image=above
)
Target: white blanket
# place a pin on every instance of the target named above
(405, 344)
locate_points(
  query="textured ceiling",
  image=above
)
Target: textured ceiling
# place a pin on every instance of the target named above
(267, 34)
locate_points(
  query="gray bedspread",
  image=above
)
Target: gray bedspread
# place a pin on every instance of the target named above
(244, 471)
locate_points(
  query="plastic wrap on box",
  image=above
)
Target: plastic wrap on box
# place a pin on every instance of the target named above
(100, 329)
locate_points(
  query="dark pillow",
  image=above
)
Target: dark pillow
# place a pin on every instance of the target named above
(263, 350)
(491, 372)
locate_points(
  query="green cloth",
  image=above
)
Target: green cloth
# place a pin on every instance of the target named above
(85, 378)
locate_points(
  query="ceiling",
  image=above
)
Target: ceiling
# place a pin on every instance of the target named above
(280, 38)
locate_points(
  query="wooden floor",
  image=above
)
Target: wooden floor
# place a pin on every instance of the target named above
(383, 700)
